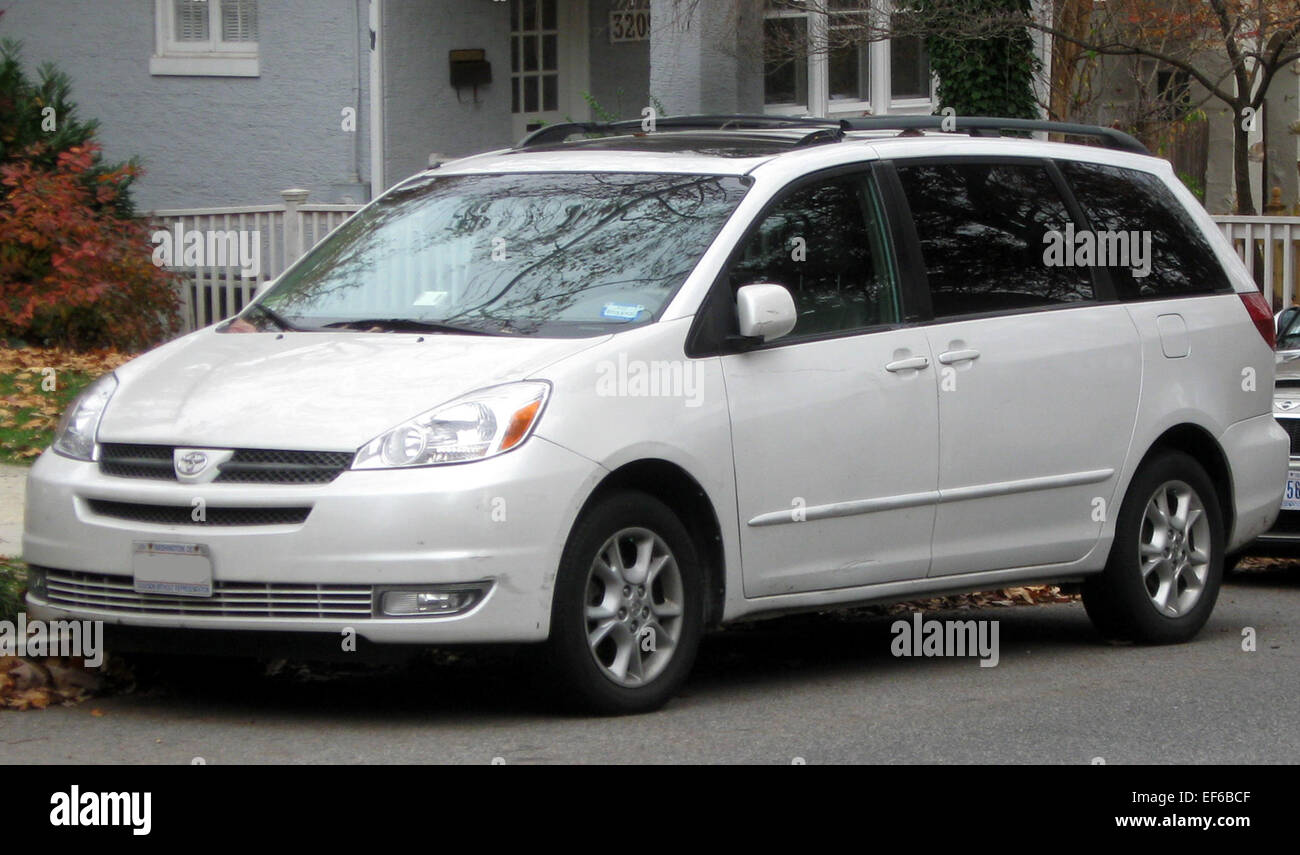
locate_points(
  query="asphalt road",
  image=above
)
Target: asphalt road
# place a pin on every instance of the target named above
(820, 688)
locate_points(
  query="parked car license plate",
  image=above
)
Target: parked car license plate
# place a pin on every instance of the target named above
(177, 569)
(1291, 498)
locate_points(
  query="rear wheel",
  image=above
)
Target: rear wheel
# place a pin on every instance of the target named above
(1166, 564)
(628, 610)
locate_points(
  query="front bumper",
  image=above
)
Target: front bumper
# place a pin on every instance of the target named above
(502, 521)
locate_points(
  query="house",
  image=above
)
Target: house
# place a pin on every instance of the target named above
(227, 102)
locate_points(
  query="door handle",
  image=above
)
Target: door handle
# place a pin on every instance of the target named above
(950, 356)
(917, 362)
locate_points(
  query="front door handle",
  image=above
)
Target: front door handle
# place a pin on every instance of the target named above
(915, 362)
(950, 356)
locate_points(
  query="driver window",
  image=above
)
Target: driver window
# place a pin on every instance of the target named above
(823, 242)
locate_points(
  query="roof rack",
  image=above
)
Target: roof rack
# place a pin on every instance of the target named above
(829, 130)
(986, 126)
(558, 133)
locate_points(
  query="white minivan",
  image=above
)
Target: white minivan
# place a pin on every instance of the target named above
(609, 388)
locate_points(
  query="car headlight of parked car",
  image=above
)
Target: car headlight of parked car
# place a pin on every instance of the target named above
(476, 426)
(75, 435)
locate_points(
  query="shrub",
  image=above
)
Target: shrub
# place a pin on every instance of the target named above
(73, 271)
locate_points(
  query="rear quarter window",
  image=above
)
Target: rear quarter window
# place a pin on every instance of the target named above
(1116, 199)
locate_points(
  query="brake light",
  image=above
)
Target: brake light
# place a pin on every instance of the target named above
(1262, 314)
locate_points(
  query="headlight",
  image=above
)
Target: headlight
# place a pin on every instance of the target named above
(75, 435)
(481, 424)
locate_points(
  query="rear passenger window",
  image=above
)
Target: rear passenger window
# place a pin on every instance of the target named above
(1128, 200)
(824, 243)
(981, 228)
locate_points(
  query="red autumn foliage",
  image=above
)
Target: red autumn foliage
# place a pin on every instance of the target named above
(72, 272)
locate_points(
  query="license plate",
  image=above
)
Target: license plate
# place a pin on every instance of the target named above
(176, 569)
(1291, 498)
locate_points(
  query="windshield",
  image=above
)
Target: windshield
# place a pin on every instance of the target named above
(552, 254)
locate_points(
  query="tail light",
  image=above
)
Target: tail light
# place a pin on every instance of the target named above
(1262, 315)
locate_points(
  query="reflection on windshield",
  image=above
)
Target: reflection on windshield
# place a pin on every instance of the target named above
(549, 253)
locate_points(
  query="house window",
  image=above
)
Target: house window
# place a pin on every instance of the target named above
(205, 37)
(819, 59)
(534, 56)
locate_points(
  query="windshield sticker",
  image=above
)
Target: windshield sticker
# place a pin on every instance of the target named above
(430, 298)
(620, 311)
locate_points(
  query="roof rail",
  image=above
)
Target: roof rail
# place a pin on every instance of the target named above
(560, 132)
(986, 126)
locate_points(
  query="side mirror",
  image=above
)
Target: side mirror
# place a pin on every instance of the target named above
(765, 311)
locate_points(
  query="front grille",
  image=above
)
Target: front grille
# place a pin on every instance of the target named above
(264, 466)
(246, 466)
(229, 599)
(1292, 428)
(136, 461)
(184, 514)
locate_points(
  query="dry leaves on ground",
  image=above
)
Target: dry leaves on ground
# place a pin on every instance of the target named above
(38, 682)
(1027, 595)
(29, 407)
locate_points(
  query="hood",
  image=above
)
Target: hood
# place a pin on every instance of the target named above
(308, 391)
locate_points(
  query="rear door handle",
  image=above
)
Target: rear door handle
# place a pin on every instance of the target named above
(915, 362)
(950, 356)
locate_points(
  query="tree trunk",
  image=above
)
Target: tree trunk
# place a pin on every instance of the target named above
(1241, 166)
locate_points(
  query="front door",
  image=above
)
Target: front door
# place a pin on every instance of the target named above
(548, 63)
(835, 426)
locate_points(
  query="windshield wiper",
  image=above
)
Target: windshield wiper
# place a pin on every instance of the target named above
(275, 318)
(403, 325)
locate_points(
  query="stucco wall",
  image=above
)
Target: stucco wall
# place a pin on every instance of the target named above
(421, 111)
(620, 73)
(207, 141)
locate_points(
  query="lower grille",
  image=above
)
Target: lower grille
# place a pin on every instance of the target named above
(184, 514)
(230, 599)
(1288, 522)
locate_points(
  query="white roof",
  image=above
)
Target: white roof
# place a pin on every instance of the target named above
(857, 146)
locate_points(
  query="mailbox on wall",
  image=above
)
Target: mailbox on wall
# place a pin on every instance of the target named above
(469, 67)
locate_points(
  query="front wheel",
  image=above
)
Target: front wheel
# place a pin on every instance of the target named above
(628, 610)
(1166, 564)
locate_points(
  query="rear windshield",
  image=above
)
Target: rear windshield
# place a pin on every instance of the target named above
(550, 254)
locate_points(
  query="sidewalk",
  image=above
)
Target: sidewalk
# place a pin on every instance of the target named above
(13, 485)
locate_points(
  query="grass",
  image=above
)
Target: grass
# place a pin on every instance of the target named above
(36, 384)
(13, 580)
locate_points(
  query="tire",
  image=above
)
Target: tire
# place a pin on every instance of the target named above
(1170, 602)
(648, 633)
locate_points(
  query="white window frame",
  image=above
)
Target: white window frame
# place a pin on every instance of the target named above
(213, 58)
(880, 103)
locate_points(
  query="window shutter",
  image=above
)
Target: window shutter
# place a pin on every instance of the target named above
(191, 20)
(239, 20)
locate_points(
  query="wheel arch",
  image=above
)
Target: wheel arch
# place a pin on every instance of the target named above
(1199, 444)
(676, 488)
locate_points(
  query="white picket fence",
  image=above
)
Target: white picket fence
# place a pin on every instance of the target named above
(1270, 242)
(286, 231)
(283, 232)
